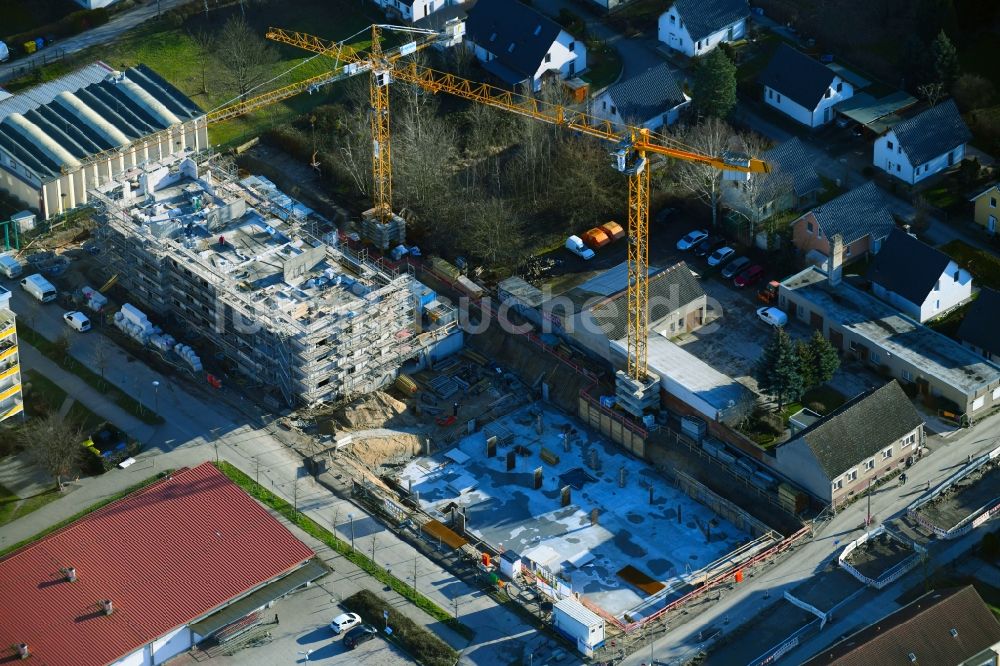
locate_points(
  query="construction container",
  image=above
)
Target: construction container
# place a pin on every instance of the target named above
(577, 89)
(469, 287)
(445, 268)
(406, 385)
(613, 230)
(30, 47)
(595, 238)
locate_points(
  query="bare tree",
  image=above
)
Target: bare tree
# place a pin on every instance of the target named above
(53, 444)
(710, 137)
(205, 42)
(932, 92)
(755, 196)
(244, 55)
(102, 356)
(62, 345)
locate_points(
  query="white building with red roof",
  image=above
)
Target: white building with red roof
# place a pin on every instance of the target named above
(149, 576)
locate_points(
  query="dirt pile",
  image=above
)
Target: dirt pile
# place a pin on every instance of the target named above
(383, 450)
(375, 410)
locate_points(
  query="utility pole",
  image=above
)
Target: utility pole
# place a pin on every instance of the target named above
(414, 575)
(868, 520)
(256, 461)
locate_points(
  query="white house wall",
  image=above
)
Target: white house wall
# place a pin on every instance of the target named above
(948, 292)
(896, 162)
(561, 59)
(814, 117)
(603, 107)
(171, 644)
(672, 32)
(140, 657)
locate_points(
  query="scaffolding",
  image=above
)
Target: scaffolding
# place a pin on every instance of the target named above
(239, 264)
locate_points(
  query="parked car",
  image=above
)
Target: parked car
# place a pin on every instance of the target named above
(750, 276)
(772, 316)
(77, 321)
(721, 256)
(692, 239)
(735, 267)
(345, 621)
(359, 635)
(575, 245)
(708, 246)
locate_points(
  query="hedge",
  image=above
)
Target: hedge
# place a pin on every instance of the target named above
(422, 645)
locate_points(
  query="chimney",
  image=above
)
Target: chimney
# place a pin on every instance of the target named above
(70, 574)
(836, 259)
(107, 607)
(22, 651)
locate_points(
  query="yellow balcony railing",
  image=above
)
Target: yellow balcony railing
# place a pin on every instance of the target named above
(13, 390)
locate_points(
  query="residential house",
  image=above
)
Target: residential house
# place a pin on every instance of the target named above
(949, 627)
(924, 144)
(986, 214)
(859, 216)
(519, 45)
(802, 88)
(651, 99)
(411, 10)
(866, 437)
(695, 27)
(945, 374)
(919, 280)
(595, 313)
(791, 183)
(980, 329)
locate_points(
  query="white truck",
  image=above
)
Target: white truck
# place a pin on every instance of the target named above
(4, 52)
(575, 245)
(10, 266)
(39, 287)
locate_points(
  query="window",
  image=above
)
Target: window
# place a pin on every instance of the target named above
(673, 19)
(888, 144)
(770, 94)
(809, 227)
(978, 402)
(613, 110)
(852, 475)
(548, 57)
(907, 376)
(875, 357)
(572, 46)
(698, 45)
(837, 485)
(869, 465)
(996, 394)
(897, 168)
(993, 202)
(779, 99)
(887, 453)
(910, 439)
(956, 276)
(847, 251)
(937, 286)
(827, 95)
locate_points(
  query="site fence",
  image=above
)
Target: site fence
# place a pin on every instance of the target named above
(889, 576)
(972, 520)
(784, 647)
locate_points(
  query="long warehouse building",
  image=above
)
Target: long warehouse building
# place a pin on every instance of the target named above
(65, 137)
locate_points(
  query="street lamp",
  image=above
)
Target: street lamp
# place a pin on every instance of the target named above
(306, 653)
(350, 517)
(156, 396)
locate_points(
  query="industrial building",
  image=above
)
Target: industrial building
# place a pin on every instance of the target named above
(261, 279)
(11, 403)
(65, 137)
(147, 577)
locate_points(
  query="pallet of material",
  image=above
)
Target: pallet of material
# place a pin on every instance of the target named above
(445, 387)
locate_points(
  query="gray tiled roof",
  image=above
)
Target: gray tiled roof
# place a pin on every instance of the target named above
(982, 322)
(515, 33)
(791, 167)
(669, 290)
(932, 133)
(797, 76)
(645, 95)
(860, 428)
(907, 266)
(704, 17)
(855, 214)
(55, 127)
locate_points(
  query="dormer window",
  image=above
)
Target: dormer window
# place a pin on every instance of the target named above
(510, 49)
(956, 276)
(493, 38)
(538, 30)
(548, 57)
(673, 19)
(572, 46)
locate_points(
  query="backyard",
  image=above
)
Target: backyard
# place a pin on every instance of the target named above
(984, 265)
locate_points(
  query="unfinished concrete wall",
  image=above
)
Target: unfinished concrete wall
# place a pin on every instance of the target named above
(605, 422)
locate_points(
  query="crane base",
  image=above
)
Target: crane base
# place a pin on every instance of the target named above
(637, 397)
(383, 236)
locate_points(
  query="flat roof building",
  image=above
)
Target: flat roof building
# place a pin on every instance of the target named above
(146, 577)
(64, 137)
(877, 334)
(261, 279)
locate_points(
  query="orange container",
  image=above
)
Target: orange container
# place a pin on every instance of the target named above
(613, 230)
(595, 238)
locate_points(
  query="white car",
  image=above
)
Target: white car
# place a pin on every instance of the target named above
(692, 239)
(721, 256)
(77, 321)
(772, 316)
(345, 621)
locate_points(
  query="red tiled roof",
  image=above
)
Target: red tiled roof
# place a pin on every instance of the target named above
(164, 556)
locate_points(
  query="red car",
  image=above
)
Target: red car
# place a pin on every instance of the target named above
(750, 276)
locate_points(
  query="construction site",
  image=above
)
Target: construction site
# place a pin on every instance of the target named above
(261, 279)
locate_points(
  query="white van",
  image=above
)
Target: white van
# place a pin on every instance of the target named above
(4, 52)
(77, 321)
(39, 287)
(10, 266)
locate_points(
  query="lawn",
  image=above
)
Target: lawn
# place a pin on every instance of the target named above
(13, 507)
(942, 197)
(821, 399)
(54, 396)
(984, 265)
(170, 50)
(604, 66)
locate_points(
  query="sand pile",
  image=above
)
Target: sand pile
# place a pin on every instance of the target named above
(376, 451)
(374, 411)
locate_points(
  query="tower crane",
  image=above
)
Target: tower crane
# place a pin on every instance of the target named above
(633, 147)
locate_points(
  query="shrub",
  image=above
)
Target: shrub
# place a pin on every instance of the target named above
(422, 645)
(989, 547)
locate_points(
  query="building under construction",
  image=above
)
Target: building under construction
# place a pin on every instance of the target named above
(261, 278)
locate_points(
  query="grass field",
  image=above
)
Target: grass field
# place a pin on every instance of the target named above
(984, 265)
(41, 387)
(171, 51)
(604, 65)
(13, 507)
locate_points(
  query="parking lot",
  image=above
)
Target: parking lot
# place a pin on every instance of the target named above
(303, 635)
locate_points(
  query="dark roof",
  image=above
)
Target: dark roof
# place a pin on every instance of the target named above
(982, 321)
(164, 555)
(907, 266)
(645, 95)
(130, 113)
(855, 214)
(860, 428)
(932, 133)
(791, 167)
(704, 17)
(670, 289)
(941, 628)
(516, 34)
(436, 20)
(797, 76)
